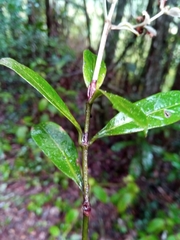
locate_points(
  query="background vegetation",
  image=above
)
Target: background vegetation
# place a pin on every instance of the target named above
(135, 181)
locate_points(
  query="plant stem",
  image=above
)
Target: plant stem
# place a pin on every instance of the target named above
(85, 227)
(106, 29)
(158, 15)
(86, 202)
(85, 142)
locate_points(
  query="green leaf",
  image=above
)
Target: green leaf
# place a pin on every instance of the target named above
(100, 194)
(174, 237)
(42, 86)
(21, 134)
(151, 237)
(118, 146)
(129, 112)
(125, 201)
(89, 62)
(54, 231)
(59, 148)
(128, 108)
(71, 216)
(160, 109)
(156, 225)
(120, 124)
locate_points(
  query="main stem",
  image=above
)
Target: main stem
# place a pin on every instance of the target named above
(86, 201)
(85, 141)
(106, 29)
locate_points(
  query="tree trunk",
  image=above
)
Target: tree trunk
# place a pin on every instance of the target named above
(153, 72)
(88, 23)
(48, 18)
(51, 19)
(176, 84)
(159, 58)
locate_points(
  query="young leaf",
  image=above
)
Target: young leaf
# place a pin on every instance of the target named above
(59, 148)
(42, 86)
(161, 109)
(89, 62)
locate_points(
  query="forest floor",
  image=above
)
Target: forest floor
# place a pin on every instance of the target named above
(20, 222)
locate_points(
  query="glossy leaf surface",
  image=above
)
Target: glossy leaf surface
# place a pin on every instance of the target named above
(127, 108)
(89, 62)
(59, 148)
(161, 109)
(42, 86)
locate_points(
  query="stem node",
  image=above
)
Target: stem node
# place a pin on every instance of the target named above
(86, 208)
